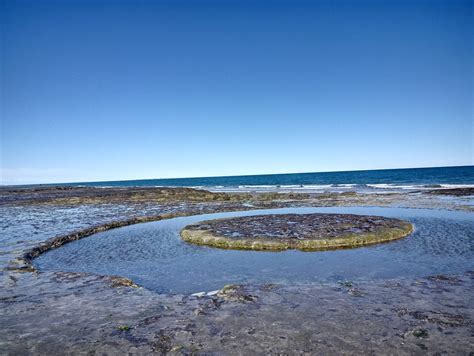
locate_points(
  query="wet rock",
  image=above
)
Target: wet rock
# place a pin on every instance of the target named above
(296, 231)
(444, 279)
(458, 192)
(236, 292)
(347, 284)
(420, 333)
(117, 282)
(434, 317)
(90, 195)
(355, 292)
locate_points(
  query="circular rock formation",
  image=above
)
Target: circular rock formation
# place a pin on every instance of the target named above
(296, 231)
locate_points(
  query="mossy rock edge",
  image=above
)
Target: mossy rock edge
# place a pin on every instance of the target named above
(387, 229)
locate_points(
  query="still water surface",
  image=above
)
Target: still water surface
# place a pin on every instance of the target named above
(153, 255)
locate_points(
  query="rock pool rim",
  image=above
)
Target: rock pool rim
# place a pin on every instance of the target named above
(205, 237)
(25, 262)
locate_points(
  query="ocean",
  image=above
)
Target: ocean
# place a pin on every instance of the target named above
(366, 181)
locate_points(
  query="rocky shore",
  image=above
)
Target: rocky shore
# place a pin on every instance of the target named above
(59, 313)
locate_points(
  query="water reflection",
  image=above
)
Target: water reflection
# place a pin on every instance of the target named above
(153, 255)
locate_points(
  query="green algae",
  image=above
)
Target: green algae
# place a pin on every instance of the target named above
(198, 235)
(123, 327)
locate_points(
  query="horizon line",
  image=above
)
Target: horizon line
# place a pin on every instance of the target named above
(228, 176)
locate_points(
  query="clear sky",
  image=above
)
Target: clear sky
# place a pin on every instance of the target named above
(109, 90)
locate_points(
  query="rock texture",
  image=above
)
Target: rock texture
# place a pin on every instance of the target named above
(296, 231)
(457, 192)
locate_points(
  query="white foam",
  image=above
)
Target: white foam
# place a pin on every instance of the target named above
(452, 186)
(318, 188)
(256, 186)
(419, 186)
(307, 186)
(394, 186)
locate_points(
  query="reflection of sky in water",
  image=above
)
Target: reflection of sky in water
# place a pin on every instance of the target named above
(153, 255)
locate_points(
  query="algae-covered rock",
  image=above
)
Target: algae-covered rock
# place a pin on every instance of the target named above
(236, 292)
(296, 231)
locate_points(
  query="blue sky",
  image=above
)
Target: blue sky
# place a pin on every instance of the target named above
(109, 90)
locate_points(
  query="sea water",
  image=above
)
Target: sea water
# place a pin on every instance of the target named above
(366, 181)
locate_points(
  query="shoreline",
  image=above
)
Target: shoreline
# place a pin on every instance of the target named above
(354, 188)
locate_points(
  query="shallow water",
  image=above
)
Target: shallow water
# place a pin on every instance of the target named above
(153, 255)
